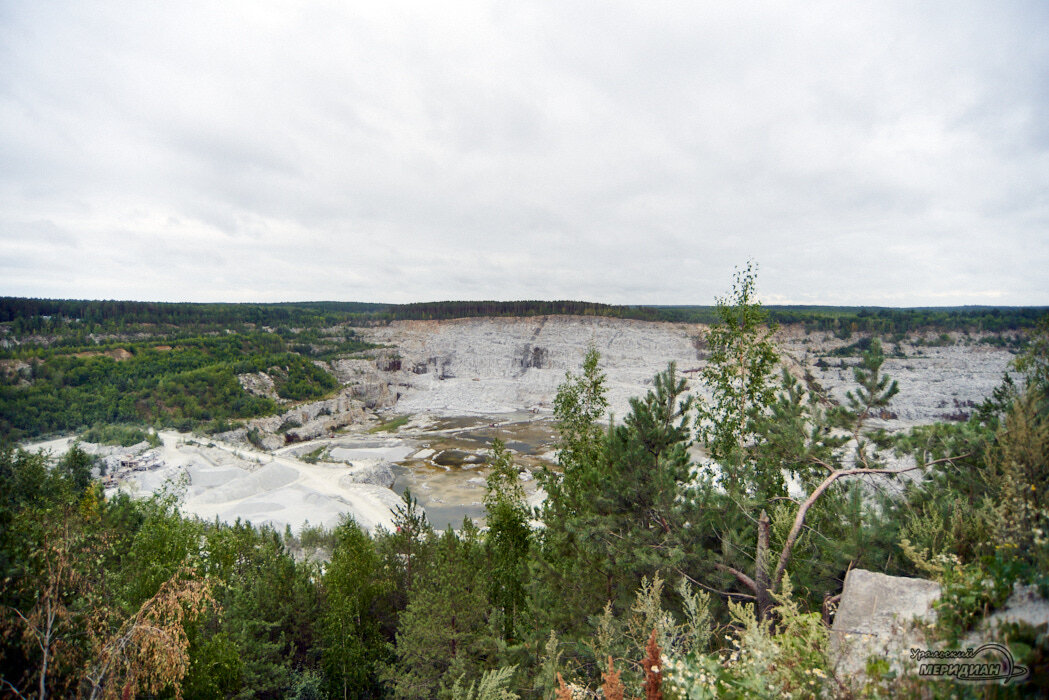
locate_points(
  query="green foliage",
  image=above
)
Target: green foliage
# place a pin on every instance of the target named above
(968, 593)
(192, 383)
(315, 455)
(287, 424)
(491, 686)
(738, 375)
(407, 551)
(859, 347)
(78, 465)
(355, 600)
(124, 435)
(306, 685)
(624, 481)
(314, 537)
(508, 539)
(216, 669)
(163, 543)
(875, 391)
(444, 634)
(794, 437)
(270, 606)
(1023, 453)
(85, 577)
(391, 426)
(761, 660)
(305, 380)
(1030, 647)
(579, 405)
(1033, 363)
(622, 512)
(990, 503)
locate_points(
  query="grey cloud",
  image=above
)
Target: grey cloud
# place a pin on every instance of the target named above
(616, 152)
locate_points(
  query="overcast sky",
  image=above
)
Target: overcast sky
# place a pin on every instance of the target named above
(861, 153)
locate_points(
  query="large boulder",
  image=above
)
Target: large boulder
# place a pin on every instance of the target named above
(877, 617)
(379, 474)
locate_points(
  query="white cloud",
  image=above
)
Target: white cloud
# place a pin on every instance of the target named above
(884, 154)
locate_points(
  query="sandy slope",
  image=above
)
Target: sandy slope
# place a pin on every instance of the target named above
(220, 480)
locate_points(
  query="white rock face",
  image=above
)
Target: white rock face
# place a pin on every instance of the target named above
(492, 365)
(495, 365)
(259, 384)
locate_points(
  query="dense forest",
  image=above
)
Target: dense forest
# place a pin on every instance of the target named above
(71, 320)
(189, 383)
(642, 573)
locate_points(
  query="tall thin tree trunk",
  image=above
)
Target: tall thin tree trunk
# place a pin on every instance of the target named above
(761, 568)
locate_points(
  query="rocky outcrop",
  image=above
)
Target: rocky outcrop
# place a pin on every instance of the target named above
(876, 616)
(886, 617)
(378, 474)
(323, 418)
(303, 422)
(388, 361)
(259, 384)
(488, 365)
(491, 365)
(374, 395)
(533, 357)
(1025, 606)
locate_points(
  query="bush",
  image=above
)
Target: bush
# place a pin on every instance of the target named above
(123, 435)
(255, 438)
(763, 660)
(391, 425)
(287, 425)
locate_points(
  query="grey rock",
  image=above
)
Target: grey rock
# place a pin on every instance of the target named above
(876, 617)
(380, 474)
(1024, 606)
(374, 395)
(489, 365)
(259, 384)
(388, 362)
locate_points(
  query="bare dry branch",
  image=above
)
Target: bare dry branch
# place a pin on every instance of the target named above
(740, 576)
(799, 519)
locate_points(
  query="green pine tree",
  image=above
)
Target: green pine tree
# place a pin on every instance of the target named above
(508, 539)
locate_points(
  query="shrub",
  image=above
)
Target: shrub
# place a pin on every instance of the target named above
(787, 659)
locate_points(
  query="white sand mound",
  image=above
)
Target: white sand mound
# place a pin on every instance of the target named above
(153, 481)
(297, 505)
(202, 479)
(269, 478)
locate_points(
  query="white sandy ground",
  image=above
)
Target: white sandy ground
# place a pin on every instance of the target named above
(220, 480)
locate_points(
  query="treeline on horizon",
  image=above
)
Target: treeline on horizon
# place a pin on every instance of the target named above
(27, 315)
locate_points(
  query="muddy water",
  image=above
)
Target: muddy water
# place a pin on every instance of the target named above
(447, 474)
(444, 461)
